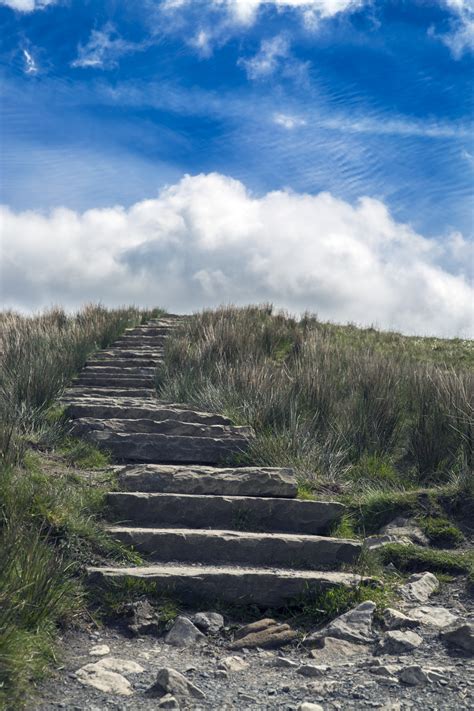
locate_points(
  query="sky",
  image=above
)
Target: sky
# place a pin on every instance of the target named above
(317, 154)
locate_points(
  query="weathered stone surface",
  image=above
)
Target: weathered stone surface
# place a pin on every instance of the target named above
(333, 647)
(396, 620)
(168, 701)
(183, 633)
(133, 408)
(272, 588)
(413, 675)
(170, 681)
(208, 622)
(373, 542)
(233, 664)
(176, 428)
(112, 368)
(108, 380)
(103, 679)
(143, 618)
(119, 665)
(230, 481)
(352, 626)
(99, 650)
(432, 616)
(265, 633)
(227, 512)
(88, 391)
(419, 587)
(399, 642)
(308, 706)
(284, 663)
(239, 547)
(460, 636)
(147, 447)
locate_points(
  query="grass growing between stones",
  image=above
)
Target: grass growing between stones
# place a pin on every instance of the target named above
(51, 488)
(415, 559)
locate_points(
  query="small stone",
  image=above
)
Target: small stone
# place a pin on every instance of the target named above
(396, 620)
(388, 670)
(247, 698)
(99, 650)
(431, 616)
(183, 633)
(208, 622)
(170, 681)
(413, 675)
(406, 528)
(353, 626)
(308, 706)
(233, 664)
(312, 670)
(460, 636)
(419, 587)
(398, 642)
(435, 675)
(168, 702)
(104, 680)
(221, 674)
(284, 663)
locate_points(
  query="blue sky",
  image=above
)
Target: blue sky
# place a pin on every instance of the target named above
(106, 102)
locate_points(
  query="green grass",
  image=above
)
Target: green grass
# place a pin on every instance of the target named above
(52, 488)
(441, 532)
(415, 559)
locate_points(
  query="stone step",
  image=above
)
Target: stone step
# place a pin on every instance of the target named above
(87, 391)
(134, 408)
(235, 512)
(176, 428)
(158, 448)
(140, 341)
(191, 584)
(240, 481)
(109, 380)
(150, 331)
(128, 354)
(114, 362)
(239, 548)
(104, 368)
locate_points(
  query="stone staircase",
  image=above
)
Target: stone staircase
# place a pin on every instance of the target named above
(209, 529)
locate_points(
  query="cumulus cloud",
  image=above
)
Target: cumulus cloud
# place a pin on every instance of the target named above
(206, 240)
(460, 39)
(27, 5)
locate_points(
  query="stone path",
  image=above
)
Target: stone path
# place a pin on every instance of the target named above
(209, 529)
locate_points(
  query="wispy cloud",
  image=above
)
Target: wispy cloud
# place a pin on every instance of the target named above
(104, 48)
(274, 57)
(31, 66)
(460, 38)
(288, 121)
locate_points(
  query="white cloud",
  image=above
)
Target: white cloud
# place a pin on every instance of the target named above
(104, 47)
(288, 121)
(275, 57)
(206, 240)
(460, 38)
(27, 5)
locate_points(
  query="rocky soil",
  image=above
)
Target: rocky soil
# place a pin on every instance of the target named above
(421, 657)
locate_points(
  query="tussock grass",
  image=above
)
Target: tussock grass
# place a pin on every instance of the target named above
(49, 526)
(348, 408)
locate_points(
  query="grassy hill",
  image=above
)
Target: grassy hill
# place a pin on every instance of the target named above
(381, 421)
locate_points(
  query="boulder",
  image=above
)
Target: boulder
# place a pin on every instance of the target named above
(183, 633)
(143, 618)
(171, 682)
(116, 664)
(414, 675)
(333, 647)
(104, 680)
(419, 587)
(460, 636)
(396, 620)
(399, 642)
(353, 626)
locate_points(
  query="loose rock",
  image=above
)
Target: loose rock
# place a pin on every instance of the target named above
(233, 664)
(308, 706)
(120, 666)
(143, 618)
(312, 670)
(352, 626)
(332, 647)
(265, 633)
(104, 680)
(460, 636)
(169, 681)
(419, 587)
(395, 620)
(405, 528)
(431, 616)
(183, 633)
(284, 663)
(208, 622)
(99, 650)
(168, 702)
(398, 642)
(413, 675)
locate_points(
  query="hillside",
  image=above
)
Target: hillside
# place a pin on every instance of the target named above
(373, 425)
